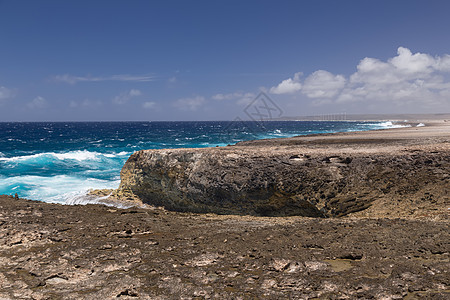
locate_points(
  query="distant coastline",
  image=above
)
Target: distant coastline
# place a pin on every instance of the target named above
(368, 117)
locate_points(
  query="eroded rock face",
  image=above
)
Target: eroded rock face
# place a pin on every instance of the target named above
(283, 181)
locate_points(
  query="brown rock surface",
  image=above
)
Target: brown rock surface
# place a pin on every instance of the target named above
(50, 251)
(400, 172)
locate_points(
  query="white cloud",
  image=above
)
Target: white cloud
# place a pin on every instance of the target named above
(191, 104)
(125, 97)
(409, 63)
(5, 94)
(374, 71)
(414, 80)
(37, 103)
(135, 93)
(241, 98)
(122, 77)
(288, 86)
(323, 84)
(221, 97)
(246, 99)
(86, 103)
(148, 105)
(443, 63)
(404, 66)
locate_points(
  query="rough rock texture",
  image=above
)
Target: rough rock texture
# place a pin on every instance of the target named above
(321, 176)
(50, 251)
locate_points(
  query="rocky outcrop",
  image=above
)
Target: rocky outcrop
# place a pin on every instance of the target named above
(52, 251)
(313, 180)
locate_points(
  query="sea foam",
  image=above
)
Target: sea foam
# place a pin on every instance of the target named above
(79, 155)
(388, 125)
(55, 189)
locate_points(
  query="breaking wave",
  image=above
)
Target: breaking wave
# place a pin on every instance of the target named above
(71, 155)
(55, 189)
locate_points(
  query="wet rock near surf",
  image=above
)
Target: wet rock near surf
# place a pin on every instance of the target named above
(51, 251)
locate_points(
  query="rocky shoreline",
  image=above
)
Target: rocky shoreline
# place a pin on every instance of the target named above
(396, 246)
(396, 173)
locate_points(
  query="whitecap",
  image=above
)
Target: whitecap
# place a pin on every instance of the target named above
(71, 155)
(78, 155)
(420, 125)
(21, 158)
(112, 155)
(399, 126)
(93, 142)
(54, 189)
(386, 125)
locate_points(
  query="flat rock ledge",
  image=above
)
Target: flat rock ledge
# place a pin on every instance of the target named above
(321, 176)
(53, 251)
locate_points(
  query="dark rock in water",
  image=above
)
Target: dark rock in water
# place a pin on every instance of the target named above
(279, 181)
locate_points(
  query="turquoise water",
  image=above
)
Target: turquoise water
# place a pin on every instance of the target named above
(60, 162)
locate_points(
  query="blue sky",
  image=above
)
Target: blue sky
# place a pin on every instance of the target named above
(207, 60)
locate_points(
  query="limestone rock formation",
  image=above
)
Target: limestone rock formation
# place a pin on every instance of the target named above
(285, 181)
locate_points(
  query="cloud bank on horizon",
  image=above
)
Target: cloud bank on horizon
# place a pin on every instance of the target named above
(406, 79)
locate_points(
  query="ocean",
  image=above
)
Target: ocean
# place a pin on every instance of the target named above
(59, 162)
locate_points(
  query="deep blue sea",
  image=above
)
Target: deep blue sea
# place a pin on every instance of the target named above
(60, 162)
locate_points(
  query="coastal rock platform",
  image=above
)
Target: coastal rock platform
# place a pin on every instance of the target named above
(372, 222)
(399, 172)
(51, 251)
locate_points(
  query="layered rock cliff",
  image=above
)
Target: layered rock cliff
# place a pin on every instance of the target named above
(302, 178)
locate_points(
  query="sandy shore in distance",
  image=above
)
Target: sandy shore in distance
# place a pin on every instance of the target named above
(434, 133)
(50, 251)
